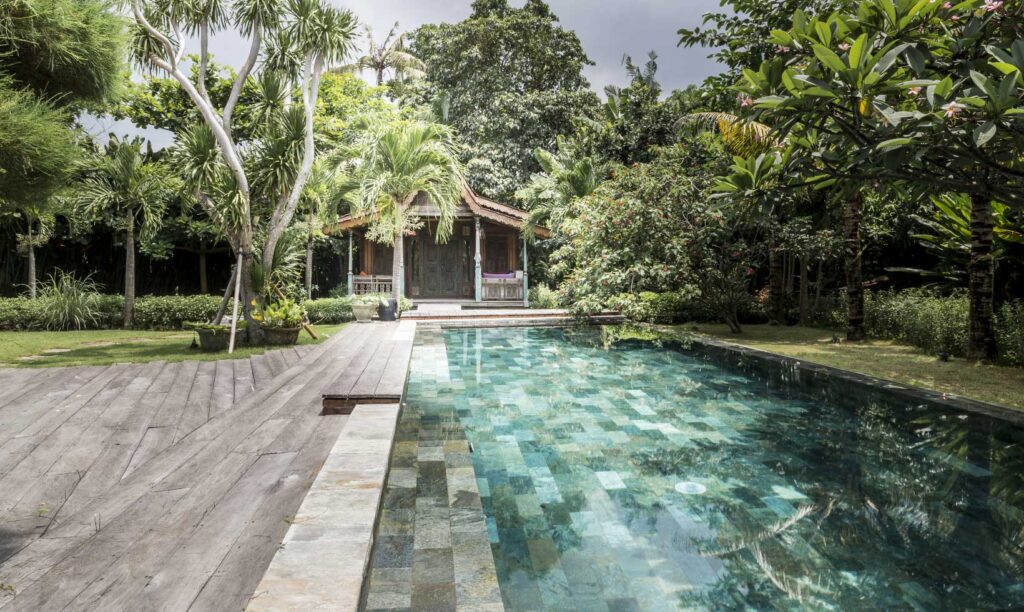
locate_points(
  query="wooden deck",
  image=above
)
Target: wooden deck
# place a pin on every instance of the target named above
(164, 485)
(375, 376)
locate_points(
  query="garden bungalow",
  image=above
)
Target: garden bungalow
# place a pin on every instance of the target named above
(483, 261)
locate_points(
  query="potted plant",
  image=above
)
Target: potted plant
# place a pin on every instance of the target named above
(213, 338)
(363, 309)
(281, 322)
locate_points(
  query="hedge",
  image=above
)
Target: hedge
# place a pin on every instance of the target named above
(936, 323)
(151, 312)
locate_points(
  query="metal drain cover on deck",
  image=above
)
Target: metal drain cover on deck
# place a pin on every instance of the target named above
(691, 488)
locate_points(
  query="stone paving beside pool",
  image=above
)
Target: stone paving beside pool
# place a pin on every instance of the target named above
(432, 551)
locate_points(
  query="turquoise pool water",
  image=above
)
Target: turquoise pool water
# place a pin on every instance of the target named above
(639, 477)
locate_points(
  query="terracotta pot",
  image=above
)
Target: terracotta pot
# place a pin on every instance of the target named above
(281, 336)
(364, 312)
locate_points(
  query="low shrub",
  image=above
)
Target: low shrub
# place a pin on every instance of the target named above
(19, 313)
(651, 307)
(172, 311)
(329, 311)
(67, 302)
(931, 321)
(542, 296)
(1010, 332)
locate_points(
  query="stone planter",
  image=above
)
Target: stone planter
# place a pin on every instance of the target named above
(281, 336)
(214, 340)
(364, 312)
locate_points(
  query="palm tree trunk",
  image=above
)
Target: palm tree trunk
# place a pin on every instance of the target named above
(129, 271)
(31, 264)
(309, 266)
(397, 267)
(223, 308)
(204, 283)
(380, 75)
(854, 278)
(776, 288)
(981, 340)
(804, 296)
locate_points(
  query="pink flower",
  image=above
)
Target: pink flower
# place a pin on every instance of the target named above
(745, 101)
(914, 91)
(947, 5)
(954, 18)
(952, 109)
(844, 46)
(781, 49)
(750, 271)
(993, 5)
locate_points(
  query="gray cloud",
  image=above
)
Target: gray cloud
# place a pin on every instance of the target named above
(608, 29)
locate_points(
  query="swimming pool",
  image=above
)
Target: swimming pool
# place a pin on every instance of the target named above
(643, 477)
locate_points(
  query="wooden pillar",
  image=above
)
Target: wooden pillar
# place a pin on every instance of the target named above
(477, 263)
(526, 278)
(351, 288)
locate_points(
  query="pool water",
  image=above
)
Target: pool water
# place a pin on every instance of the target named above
(641, 477)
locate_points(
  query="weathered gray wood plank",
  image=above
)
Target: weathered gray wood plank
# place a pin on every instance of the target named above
(197, 406)
(223, 387)
(243, 378)
(262, 375)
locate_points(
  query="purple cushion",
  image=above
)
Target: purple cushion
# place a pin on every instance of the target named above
(494, 275)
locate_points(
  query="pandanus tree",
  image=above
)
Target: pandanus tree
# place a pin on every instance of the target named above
(130, 191)
(565, 177)
(392, 162)
(923, 95)
(312, 34)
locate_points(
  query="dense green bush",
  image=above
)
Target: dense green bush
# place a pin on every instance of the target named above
(651, 307)
(932, 322)
(329, 310)
(1010, 332)
(542, 296)
(171, 311)
(19, 313)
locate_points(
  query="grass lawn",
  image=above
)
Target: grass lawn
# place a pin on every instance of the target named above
(882, 358)
(101, 347)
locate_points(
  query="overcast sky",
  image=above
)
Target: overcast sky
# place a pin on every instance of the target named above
(609, 29)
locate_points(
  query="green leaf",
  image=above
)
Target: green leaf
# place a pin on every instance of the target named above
(857, 51)
(824, 32)
(829, 58)
(893, 143)
(984, 133)
(1004, 67)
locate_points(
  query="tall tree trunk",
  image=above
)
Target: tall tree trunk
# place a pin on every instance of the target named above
(398, 267)
(804, 296)
(129, 270)
(854, 278)
(309, 266)
(247, 295)
(31, 263)
(818, 284)
(204, 284)
(982, 340)
(776, 281)
(380, 75)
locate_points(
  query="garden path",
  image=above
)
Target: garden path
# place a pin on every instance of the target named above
(162, 485)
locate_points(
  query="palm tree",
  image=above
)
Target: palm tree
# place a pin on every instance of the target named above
(389, 55)
(565, 178)
(395, 160)
(131, 192)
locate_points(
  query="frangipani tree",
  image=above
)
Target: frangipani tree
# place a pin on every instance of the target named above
(926, 95)
(308, 35)
(392, 162)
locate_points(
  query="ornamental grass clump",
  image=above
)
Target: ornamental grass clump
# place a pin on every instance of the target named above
(67, 302)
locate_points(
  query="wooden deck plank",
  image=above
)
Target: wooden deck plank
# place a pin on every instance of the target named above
(197, 406)
(49, 404)
(223, 387)
(243, 378)
(262, 375)
(277, 361)
(197, 523)
(233, 582)
(341, 386)
(366, 384)
(289, 355)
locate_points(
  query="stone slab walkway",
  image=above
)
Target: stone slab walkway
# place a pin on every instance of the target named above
(321, 562)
